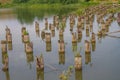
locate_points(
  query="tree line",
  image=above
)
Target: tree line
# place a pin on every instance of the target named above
(49, 1)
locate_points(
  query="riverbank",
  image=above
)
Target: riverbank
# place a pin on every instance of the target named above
(81, 5)
(77, 8)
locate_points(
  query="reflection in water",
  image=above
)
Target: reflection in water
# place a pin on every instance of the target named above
(87, 57)
(61, 58)
(78, 74)
(29, 57)
(48, 46)
(74, 47)
(27, 15)
(93, 46)
(38, 33)
(40, 75)
(10, 47)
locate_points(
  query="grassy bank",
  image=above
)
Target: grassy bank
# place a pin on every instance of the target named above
(77, 6)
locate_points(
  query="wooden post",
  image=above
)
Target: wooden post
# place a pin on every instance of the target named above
(23, 30)
(40, 62)
(74, 38)
(78, 62)
(29, 47)
(26, 38)
(48, 37)
(9, 37)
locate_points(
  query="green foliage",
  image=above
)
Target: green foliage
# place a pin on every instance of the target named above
(20, 1)
(26, 33)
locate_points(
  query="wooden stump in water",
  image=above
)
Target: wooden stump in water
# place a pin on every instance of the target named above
(40, 62)
(78, 62)
(29, 47)
(7, 30)
(26, 38)
(23, 30)
(9, 38)
(48, 37)
(74, 38)
(52, 27)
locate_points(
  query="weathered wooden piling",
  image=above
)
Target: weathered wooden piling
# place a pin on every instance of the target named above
(48, 37)
(23, 30)
(4, 46)
(61, 46)
(29, 47)
(78, 62)
(78, 74)
(26, 37)
(7, 30)
(9, 38)
(40, 62)
(74, 38)
(52, 27)
(60, 32)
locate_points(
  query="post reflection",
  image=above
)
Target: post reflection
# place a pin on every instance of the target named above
(62, 58)
(78, 74)
(87, 57)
